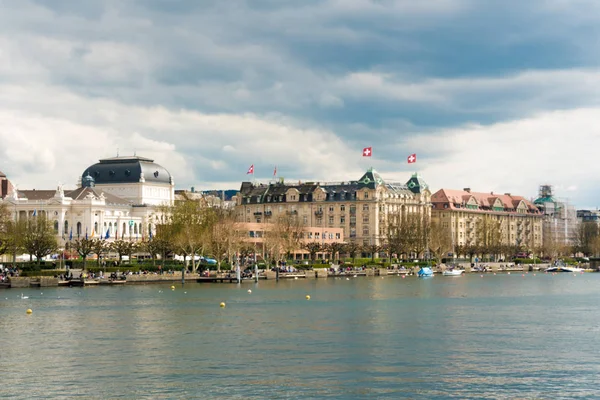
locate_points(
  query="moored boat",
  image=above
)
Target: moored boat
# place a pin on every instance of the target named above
(425, 272)
(453, 272)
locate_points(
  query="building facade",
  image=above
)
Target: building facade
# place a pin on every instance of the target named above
(560, 218)
(5, 186)
(361, 209)
(473, 218)
(116, 199)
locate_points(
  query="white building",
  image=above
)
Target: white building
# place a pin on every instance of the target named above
(117, 198)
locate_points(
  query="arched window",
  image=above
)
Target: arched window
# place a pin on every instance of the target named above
(78, 228)
(96, 227)
(110, 228)
(135, 231)
(124, 229)
(56, 227)
(150, 230)
(66, 232)
(140, 228)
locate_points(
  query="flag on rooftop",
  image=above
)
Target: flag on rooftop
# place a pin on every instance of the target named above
(250, 170)
(367, 151)
(412, 158)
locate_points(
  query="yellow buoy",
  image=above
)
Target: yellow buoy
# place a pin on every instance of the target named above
(222, 304)
(173, 287)
(29, 311)
(307, 297)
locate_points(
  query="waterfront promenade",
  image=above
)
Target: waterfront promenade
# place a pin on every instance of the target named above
(230, 277)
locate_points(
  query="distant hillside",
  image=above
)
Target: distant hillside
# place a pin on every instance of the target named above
(218, 193)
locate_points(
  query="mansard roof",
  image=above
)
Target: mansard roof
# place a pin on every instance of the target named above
(339, 191)
(458, 199)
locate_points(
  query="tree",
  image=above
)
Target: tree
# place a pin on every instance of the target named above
(122, 247)
(99, 247)
(440, 240)
(488, 235)
(39, 238)
(313, 248)
(289, 230)
(336, 248)
(352, 248)
(84, 247)
(586, 238)
(191, 228)
(226, 237)
(372, 249)
(5, 228)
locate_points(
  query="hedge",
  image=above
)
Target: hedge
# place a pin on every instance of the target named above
(527, 261)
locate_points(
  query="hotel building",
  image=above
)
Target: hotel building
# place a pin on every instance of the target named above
(362, 209)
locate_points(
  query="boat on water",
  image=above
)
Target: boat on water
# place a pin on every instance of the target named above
(425, 272)
(453, 272)
(561, 266)
(564, 268)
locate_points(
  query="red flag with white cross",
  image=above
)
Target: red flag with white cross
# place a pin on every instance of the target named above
(250, 170)
(367, 151)
(412, 158)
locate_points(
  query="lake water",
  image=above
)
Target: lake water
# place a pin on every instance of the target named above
(504, 336)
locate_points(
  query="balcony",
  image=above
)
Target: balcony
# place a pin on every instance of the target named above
(318, 212)
(268, 213)
(293, 212)
(258, 213)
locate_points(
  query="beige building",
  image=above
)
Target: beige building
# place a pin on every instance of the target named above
(361, 209)
(472, 218)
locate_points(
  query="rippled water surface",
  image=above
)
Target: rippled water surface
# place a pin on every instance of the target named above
(504, 336)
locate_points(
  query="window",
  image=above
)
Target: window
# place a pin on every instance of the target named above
(317, 235)
(96, 227)
(330, 209)
(331, 219)
(331, 236)
(365, 230)
(338, 236)
(366, 219)
(319, 221)
(343, 208)
(342, 219)
(78, 228)
(365, 207)
(66, 231)
(135, 229)
(310, 235)
(293, 197)
(366, 195)
(56, 227)
(305, 220)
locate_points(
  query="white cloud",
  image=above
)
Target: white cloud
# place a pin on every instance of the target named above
(53, 135)
(558, 147)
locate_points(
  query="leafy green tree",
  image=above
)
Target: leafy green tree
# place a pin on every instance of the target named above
(122, 247)
(336, 248)
(313, 248)
(352, 248)
(84, 247)
(39, 239)
(99, 247)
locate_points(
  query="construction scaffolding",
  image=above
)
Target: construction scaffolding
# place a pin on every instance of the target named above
(560, 217)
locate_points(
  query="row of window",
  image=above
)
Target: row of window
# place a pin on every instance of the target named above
(134, 229)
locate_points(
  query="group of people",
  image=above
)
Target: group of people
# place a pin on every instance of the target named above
(8, 271)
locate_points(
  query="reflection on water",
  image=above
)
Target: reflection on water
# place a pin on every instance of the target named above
(497, 336)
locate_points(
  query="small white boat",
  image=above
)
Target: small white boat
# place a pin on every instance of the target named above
(453, 272)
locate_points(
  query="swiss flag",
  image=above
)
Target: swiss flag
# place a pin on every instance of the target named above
(250, 170)
(367, 151)
(412, 158)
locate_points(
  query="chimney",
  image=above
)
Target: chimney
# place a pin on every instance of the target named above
(492, 193)
(468, 190)
(507, 194)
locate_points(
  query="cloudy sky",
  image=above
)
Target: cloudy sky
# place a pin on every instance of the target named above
(493, 95)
